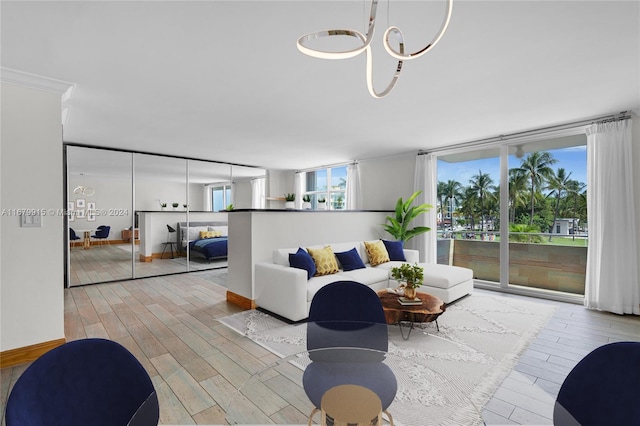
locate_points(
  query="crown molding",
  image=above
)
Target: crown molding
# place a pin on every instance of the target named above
(38, 82)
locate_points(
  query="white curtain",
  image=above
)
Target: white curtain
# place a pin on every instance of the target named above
(299, 183)
(258, 199)
(354, 193)
(426, 180)
(612, 282)
(206, 198)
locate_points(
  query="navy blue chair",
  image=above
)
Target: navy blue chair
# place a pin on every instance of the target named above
(602, 389)
(72, 236)
(347, 341)
(347, 314)
(93, 382)
(102, 234)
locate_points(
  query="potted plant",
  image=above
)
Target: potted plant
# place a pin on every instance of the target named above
(229, 207)
(398, 225)
(184, 206)
(175, 205)
(411, 275)
(163, 206)
(322, 203)
(306, 201)
(290, 201)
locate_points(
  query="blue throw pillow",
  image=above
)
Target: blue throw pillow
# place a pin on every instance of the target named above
(395, 250)
(350, 260)
(303, 260)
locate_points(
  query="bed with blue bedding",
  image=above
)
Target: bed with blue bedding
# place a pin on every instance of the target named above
(209, 248)
(206, 240)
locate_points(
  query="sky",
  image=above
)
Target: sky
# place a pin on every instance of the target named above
(573, 160)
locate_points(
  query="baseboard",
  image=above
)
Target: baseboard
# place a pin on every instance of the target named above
(28, 353)
(241, 301)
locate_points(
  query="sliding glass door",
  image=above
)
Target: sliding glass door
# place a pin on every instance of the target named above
(516, 214)
(469, 211)
(547, 215)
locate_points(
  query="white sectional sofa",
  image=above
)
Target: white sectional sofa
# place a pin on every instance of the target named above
(287, 291)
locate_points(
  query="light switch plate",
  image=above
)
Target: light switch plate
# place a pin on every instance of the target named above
(31, 220)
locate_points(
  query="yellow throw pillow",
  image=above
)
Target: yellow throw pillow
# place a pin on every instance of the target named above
(377, 252)
(325, 261)
(209, 234)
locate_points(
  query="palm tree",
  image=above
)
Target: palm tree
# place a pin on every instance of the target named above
(537, 167)
(517, 188)
(558, 184)
(441, 196)
(452, 191)
(468, 205)
(575, 190)
(493, 206)
(481, 184)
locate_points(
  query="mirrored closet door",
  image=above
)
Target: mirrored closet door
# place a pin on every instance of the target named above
(99, 194)
(160, 204)
(135, 215)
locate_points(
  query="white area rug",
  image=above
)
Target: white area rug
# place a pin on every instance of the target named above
(480, 340)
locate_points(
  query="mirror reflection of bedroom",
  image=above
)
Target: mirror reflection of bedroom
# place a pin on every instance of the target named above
(135, 215)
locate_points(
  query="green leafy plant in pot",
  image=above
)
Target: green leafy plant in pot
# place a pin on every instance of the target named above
(322, 203)
(398, 225)
(306, 201)
(411, 275)
(289, 198)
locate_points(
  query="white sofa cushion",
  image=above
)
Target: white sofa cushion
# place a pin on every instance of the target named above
(281, 256)
(316, 283)
(367, 276)
(388, 265)
(445, 276)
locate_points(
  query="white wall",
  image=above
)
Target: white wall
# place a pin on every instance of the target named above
(278, 183)
(148, 192)
(31, 276)
(112, 196)
(384, 180)
(242, 194)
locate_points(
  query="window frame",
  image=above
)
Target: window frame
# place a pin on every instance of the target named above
(328, 192)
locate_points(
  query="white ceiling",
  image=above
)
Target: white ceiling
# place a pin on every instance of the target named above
(223, 80)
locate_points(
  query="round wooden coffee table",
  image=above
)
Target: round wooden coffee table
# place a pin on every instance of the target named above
(410, 315)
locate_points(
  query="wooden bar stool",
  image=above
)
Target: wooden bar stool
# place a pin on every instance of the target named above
(352, 405)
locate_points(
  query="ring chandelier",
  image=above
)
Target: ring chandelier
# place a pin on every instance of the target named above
(83, 190)
(392, 31)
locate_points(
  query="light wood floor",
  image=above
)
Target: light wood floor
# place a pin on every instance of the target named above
(114, 262)
(197, 364)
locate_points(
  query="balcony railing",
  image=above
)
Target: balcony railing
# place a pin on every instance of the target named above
(542, 265)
